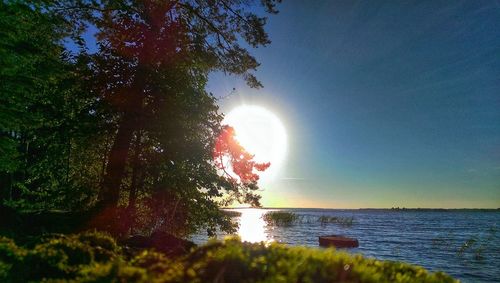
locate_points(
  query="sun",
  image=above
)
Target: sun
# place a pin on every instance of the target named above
(261, 133)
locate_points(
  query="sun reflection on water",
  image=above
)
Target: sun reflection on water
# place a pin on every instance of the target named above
(252, 226)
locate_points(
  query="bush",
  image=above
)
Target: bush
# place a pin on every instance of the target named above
(117, 271)
(56, 258)
(234, 261)
(104, 246)
(152, 261)
(72, 259)
(10, 254)
(9, 251)
(159, 266)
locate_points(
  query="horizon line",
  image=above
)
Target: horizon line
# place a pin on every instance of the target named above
(373, 208)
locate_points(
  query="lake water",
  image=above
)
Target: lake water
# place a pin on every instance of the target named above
(463, 243)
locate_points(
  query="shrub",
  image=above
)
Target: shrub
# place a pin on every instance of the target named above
(9, 251)
(10, 254)
(71, 259)
(103, 245)
(159, 266)
(152, 261)
(117, 271)
(57, 258)
(234, 261)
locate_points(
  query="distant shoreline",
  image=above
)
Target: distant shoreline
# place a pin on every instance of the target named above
(378, 209)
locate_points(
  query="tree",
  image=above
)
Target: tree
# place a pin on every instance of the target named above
(172, 42)
(229, 152)
(152, 128)
(45, 111)
(152, 66)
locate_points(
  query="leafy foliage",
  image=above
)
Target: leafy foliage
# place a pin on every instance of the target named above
(228, 150)
(127, 132)
(69, 259)
(46, 118)
(56, 256)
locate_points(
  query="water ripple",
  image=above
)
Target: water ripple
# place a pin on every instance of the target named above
(463, 243)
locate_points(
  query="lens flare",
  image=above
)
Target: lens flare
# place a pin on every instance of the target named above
(261, 133)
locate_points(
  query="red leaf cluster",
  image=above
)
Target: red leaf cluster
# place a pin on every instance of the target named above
(228, 150)
(160, 40)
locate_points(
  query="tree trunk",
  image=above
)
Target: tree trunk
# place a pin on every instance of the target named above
(135, 172)
(110, 191)
(109, 194)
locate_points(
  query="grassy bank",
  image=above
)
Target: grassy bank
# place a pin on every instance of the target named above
(95, 257)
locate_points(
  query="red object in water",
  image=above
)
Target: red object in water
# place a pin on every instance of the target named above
(338, 241)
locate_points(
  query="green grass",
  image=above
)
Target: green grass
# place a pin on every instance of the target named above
(281, 218)
(95, 257)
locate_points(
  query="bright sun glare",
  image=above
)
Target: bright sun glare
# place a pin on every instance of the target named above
(261, 133)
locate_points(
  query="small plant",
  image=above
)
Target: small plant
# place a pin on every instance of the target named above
(478, 253)
(472, 248)
(346, 221)
(323, 219)
(466, 246)
(342, 221)
(281, 218)
(440, 242)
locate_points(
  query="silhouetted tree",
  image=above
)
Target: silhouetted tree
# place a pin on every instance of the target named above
(133, 119)
(47, 113)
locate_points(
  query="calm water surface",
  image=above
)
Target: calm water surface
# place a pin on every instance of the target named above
(463, 243)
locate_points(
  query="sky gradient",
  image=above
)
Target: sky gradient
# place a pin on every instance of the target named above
(385, 104)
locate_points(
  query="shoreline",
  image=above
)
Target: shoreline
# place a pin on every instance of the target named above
(371, 209)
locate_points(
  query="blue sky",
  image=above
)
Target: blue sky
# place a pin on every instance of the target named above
(385, 103)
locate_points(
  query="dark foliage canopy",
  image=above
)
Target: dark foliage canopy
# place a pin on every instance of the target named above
(129, 131)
